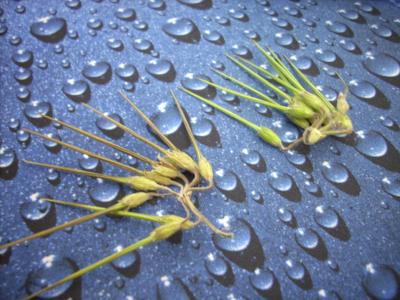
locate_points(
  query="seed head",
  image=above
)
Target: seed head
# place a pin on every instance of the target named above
(166, 171)
(205, 169)
(135, 199)
(180, 159)
(165, 231)
(158, 178)
(186, 224)
(342, 105)
(269, 136)
(141, 183)
(310, 100)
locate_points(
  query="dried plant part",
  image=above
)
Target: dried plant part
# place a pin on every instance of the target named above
(166, 177)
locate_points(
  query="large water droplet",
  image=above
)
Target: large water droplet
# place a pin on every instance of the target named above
(77, 90)
(49, 29)
(97, 71)
(182, 29)
(161, 69)
(382, 64)
(380, 282)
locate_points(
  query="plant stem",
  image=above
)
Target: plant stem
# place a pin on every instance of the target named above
(102, 262)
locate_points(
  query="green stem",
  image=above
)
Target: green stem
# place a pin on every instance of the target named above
(77, 221)
(121, 213)
(149, 122)
(261, 79)
(102, 262)
(103, 141)
(224, 110)
(127, 129)
(88, 153)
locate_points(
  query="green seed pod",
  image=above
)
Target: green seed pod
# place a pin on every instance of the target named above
(135, 199)
(158, 178)
(303, 123)
(300, 110)
(205, 169)
(186, 224)
(142, 183)
(165, 231)
(166, 171)
(312, 101)
(180, 159)
(269, 136)
(312, 135)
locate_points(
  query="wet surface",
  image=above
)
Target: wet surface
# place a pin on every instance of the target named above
(318, 222)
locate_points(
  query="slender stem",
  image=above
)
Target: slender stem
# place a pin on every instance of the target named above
(77, 171)
(279, 80)
(187, 126)
(103, 141)
(121, 213)
(148, 240)
(149, 122)
(88, 153)
(248, 97)
(77, 221)
(224, 110)
(261, 79)
(246, 86)
(127, 129)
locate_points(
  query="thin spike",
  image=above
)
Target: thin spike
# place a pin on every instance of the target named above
(260, 78)
(127, 129)
(88, 153)
(311, 85)
(77, 171)
(103, 141)
(222, 109)
(54, 229)
(246, 86)
(120, 213)
(280, 81)
(248, 97)
(143, 242)
(149, 122)
(187, 126)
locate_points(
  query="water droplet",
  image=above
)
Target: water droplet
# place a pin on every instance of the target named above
(326, 56)
(38, 214)
(161, 69)
(77, 90)
(49, 29)
(182, 29)
(242, 51)
(262, 280)
(8, 163)
(115, 44)
(285, 39)
(127, 72)
(73, 4)
(213, 36)
(97, 71)
(281, 182)
(23, 76)
(295, 270)
(156, 4)
(338, 28)
(335, 172)
(35, 110)
(128, 264)
(253, 159)
(195, 84)
(391, 186)
(125, 14)
(363, 89)
(286, 216)
(380, 281)
(371, 144)
(23, 57)
(217, 267)
(143, 45)
(382, 64)
(105, 194)
(95, 24)
(326, 217)
(382, 31)
(238, 15)
(52, 269)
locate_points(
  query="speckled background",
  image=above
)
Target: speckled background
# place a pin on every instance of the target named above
(320, 222)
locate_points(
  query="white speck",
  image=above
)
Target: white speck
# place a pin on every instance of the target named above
(34, 197)
(225, 222)
(165, 280)
(220, 172)
(386, 180)
(319, 51)
(71, 81)
(370, 268)
(326, 164)
(257, 271)
(161, 107)
(322, 293)
(211, 257)
(48, 260)
(92, 63)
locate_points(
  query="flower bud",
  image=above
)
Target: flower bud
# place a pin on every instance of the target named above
(269, 136)
(135, 199)
(205, 169)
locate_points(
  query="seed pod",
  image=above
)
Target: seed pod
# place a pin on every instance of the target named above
(269, 136)
(165, 231)
(142, 183)
(186, 224)
(312, 101)
(205, 169)
(180, 159)
(166, 171)
(342, 105)
(135, 199)
(312, 135)
(158, 178)
(302, 123)
(300, 110)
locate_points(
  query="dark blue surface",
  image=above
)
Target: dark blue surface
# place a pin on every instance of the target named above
(270, 198)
